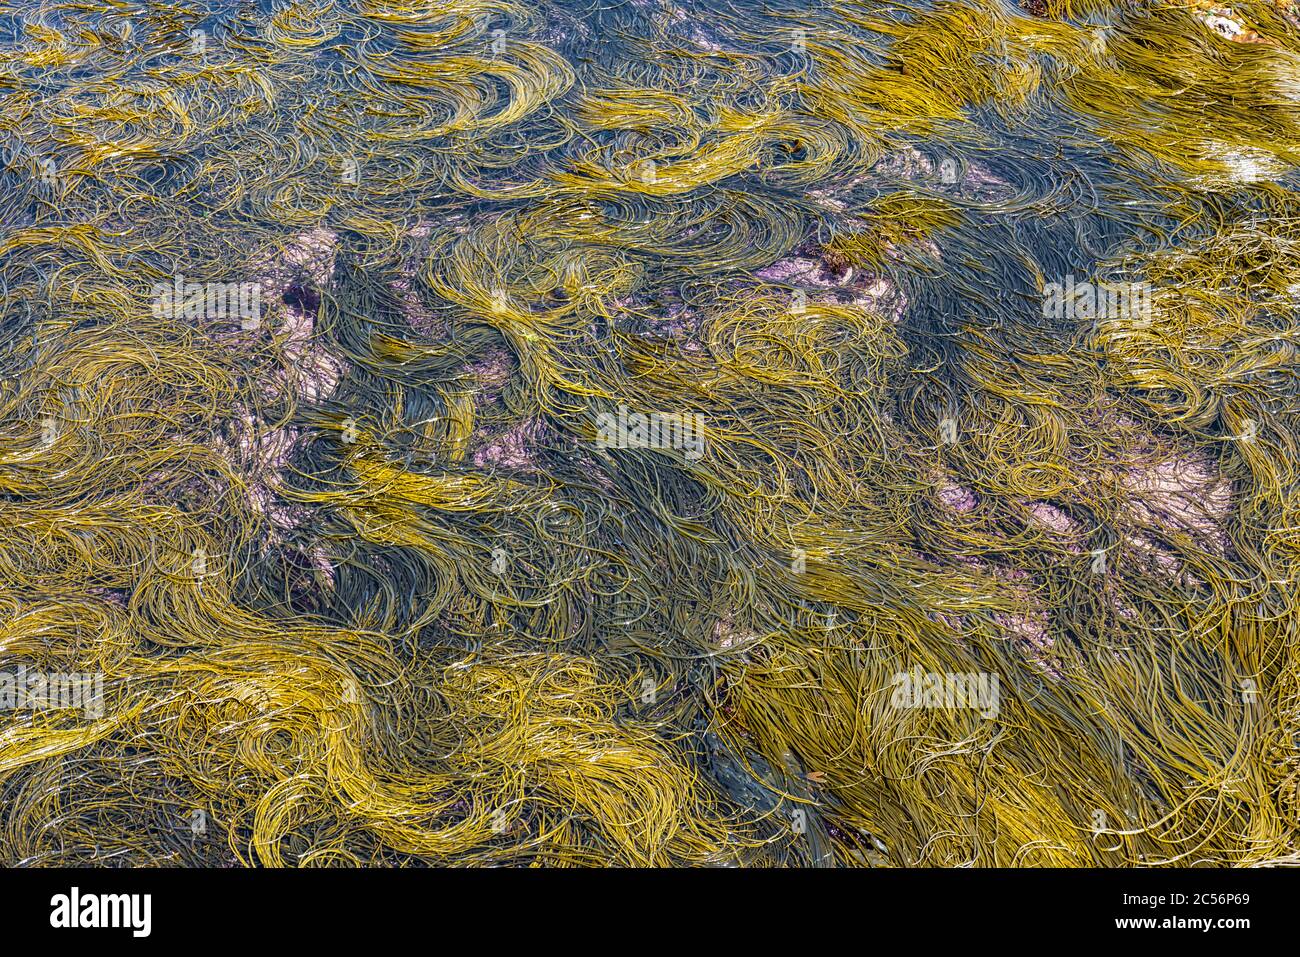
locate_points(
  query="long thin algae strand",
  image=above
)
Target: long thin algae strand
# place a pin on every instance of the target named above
(362, 584)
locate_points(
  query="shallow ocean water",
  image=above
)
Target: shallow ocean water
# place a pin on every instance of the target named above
(649, 433)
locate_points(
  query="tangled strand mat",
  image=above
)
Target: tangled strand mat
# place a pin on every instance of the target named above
(649, 433)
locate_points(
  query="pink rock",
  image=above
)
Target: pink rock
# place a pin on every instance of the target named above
(511, 449)
(956, 497)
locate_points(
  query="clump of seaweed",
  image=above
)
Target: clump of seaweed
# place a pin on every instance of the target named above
(503, 434)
